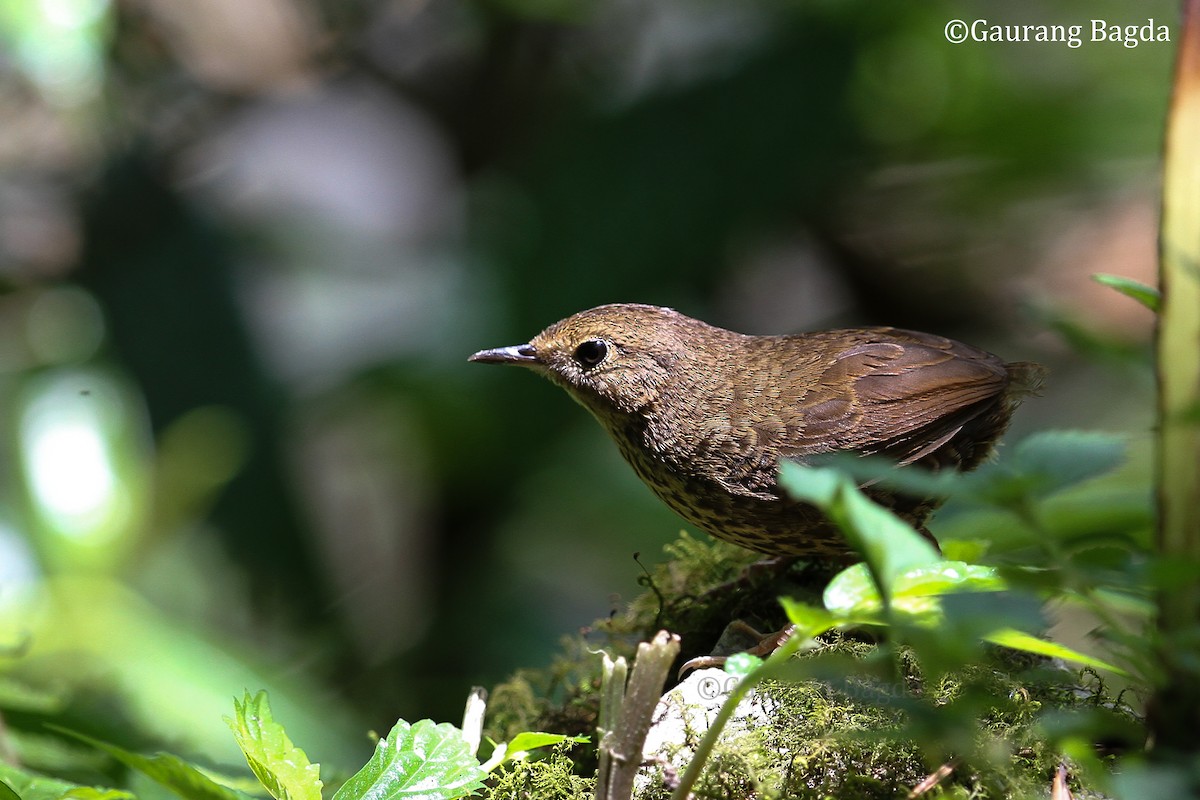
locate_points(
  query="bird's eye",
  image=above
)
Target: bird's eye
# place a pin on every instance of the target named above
(591, 352)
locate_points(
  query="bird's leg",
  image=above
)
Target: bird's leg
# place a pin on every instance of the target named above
(739, 637)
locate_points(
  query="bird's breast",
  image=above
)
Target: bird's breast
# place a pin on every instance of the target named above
(704, 451)
(744, 507)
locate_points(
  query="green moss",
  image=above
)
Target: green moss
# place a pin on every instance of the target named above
(853, 739)
(704, 584)
(563, 697)
(859, 739)
(549, 778)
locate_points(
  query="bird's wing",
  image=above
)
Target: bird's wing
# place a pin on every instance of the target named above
(911, 393)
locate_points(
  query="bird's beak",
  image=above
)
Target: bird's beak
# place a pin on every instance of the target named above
(521, 354)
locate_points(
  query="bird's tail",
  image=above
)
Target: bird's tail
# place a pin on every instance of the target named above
(1025, 378)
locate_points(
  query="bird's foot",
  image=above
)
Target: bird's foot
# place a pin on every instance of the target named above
(738, 637)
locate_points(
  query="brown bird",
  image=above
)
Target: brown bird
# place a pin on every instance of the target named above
(704, 414)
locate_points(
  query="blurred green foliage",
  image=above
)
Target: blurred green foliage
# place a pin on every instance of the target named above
(243, 260)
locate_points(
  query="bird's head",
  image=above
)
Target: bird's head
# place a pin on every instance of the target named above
(610, 358)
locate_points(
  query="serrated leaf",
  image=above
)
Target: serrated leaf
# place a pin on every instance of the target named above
(280, 766)
(422, 761)
(1148, 296)
(182, 778)
(1019, 640)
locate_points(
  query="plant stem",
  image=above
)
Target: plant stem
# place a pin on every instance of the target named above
(621, 748)
(704, 749)
(1175, 708)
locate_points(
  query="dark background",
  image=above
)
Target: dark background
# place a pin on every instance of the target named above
(246, 248)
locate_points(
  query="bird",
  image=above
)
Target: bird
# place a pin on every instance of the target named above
(705, 415)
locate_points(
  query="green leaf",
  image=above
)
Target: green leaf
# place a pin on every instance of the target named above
(422, 761)
(1148, 296)
(18, 696)
(7, 793)
(815, 485)
(969, 550)
(1060, 459)
(852, 594)
(1041, 465)
(522, 743)
(182, 778)
(1153, 780)
(945, 577)
(33, 787)
(95, 793)
(888, 543)
(28, 786)
(1018, 640)
(742, 664)
(810, 621)
(280, 766)
(532, 740)
(882, 472)
(976, 615)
